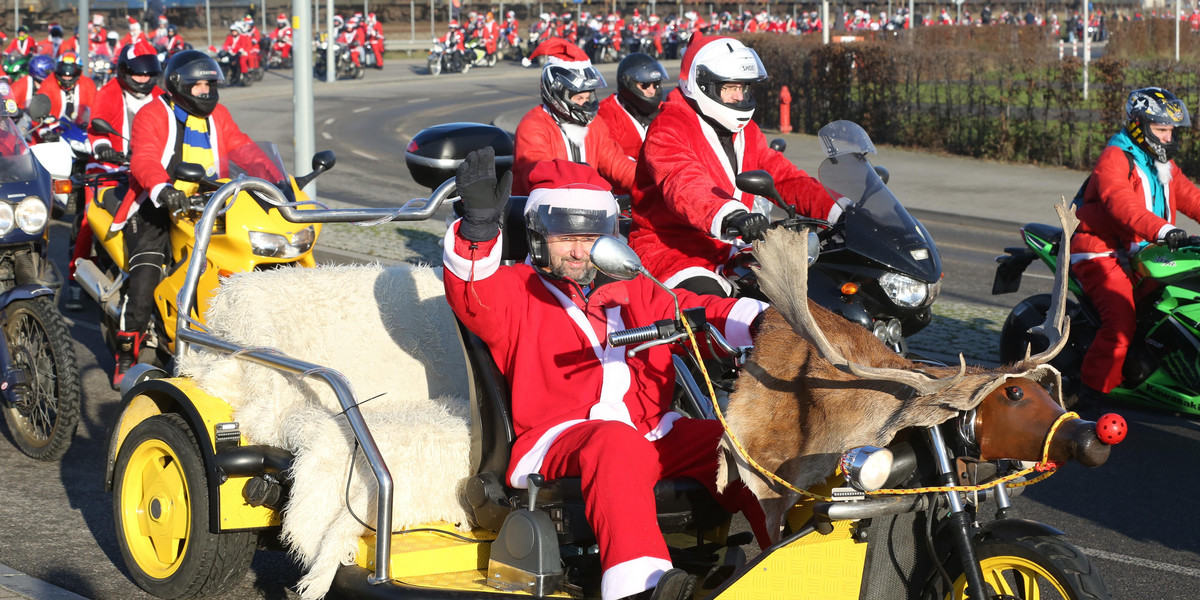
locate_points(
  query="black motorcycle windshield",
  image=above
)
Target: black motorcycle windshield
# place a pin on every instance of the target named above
(876, 225)
(16, 160)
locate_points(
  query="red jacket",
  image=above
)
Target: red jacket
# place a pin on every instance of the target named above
(547, 340)
(23, 90)
(1117, 211)
(130, 38)
(685, 190)
(85, 95)
(540, 138)
(153, 155)
(110, 105)
(22, 46)
(627, 132)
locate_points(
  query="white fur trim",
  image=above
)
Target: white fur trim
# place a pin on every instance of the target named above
(714, 228)
(1162, 232)
(572, 197)
(632, 576)
(1077, 257)
(461, 266)
(665, 425)
(741, 316)
(690, 272)
(532, 461)
(575, 64)
(154, 192)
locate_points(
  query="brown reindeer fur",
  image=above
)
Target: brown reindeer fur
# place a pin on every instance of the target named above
(795, 413)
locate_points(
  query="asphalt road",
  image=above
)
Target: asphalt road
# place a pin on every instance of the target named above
(1132, 515)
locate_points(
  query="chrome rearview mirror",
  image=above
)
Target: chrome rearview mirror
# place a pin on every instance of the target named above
(615, 259)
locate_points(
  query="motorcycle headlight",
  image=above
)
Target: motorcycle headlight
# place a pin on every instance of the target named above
(904, 290)
(866, 468)
(31, 214)
(275, 245)
(6, 218)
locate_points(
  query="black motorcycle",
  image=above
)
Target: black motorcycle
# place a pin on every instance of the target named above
(39, 376)
(878, 265)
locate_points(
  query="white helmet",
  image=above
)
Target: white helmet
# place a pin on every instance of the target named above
(718, 60)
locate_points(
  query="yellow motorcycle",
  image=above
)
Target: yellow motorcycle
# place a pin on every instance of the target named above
(195, 484)
(250, 235)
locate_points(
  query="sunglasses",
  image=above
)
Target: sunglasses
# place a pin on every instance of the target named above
(653, 85)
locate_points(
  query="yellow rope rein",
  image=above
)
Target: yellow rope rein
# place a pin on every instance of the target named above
(1044, 465)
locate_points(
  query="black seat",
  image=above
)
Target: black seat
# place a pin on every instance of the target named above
(1050, 233)
(683, 504)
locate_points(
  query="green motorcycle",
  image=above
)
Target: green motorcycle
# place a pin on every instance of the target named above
(1162, 369)
(16, 65)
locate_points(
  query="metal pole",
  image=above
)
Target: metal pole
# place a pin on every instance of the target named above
(302, 92)
(412, 20)
(432, 26)
(208, 21)
(16, 16)
(330, 59)
(912, 22)
(84, 42)
(1178, 16)
(1087, 45)
(825, 24)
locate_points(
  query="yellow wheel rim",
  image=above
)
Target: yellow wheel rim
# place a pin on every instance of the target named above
(1015, 577)
(155, 514)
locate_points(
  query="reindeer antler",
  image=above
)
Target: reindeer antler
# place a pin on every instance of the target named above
(1057, 327)
(783, 277)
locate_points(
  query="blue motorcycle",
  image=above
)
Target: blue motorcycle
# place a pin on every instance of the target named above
(39, 376)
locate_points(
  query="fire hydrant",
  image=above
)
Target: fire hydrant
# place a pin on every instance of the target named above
(785, 110)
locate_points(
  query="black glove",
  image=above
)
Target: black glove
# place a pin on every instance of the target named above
(1175, 238)
(748, 226)
(109, 154)
(484, 199)
(49, 135)
(175, 200)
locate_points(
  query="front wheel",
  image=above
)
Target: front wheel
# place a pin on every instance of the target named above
(43, 422)
(160, 507)
(1041, 567)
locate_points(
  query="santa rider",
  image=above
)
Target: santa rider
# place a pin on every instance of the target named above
(629, 111)
(135, 34)
(564, 125)
(23, 43)
(117, 101)
(71, 93)
(374, 34)
(23, 89)
(187, 124)
(238, 46)
(599, 416)
(281, 38)
(1130, 200)
(687, 213)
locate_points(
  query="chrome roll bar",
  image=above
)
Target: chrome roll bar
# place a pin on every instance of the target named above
(417, 209)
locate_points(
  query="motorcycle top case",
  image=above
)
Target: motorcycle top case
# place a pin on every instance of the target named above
(434, 153)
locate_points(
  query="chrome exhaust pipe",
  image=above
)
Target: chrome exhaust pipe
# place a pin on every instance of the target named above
(99, 286)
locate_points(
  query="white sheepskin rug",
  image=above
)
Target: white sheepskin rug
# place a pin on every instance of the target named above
(391, 333)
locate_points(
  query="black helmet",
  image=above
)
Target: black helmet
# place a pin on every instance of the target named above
(560, 82)
(1155, 106)
(134, 62)
(186, 69)
(68, 71)
(640, 68)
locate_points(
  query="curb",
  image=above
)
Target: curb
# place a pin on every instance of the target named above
(15, 585)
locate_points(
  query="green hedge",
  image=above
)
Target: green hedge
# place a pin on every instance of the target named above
(998, 93)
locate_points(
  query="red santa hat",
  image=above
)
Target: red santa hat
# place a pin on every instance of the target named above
(698, 42)
(134, 25)
(562, 53)
(141, 48)
(563, 185)
(98, 19)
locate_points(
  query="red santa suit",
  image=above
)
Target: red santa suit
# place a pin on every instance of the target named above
(491, 35)
(626, 130)
(153, 143)
(539, 137)
(133, 37)
(22, 46)
(82, 95)
(23, 90)
(583, 409)
(375, 38)
(1117, 215)
(685, 189)
(281, 38)
(117, 107)
(239, 46)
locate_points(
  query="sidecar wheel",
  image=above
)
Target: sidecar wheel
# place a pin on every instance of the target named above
(1032, 567)
(160, 507)
(41, 346)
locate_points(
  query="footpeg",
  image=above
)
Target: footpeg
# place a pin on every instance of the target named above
(525, 554)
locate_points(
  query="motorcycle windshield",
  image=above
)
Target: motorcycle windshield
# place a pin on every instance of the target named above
(260, 160)
(16, 161)
(845, 137)
(876, 225)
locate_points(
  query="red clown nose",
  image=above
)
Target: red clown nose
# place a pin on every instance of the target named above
(1111, 428)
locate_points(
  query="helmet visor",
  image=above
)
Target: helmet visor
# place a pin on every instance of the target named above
(560, 220)
(1168, 112)
(577, 80)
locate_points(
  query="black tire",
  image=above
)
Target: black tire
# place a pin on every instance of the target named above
(1015, 337)
(41, 345)
(159, 494)
(1057, 569)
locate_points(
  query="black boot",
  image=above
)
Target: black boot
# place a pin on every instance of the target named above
(128, 345)
(675, 584)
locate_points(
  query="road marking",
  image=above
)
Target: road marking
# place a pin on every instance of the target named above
(363, 109)
(364, 155)
(416, 100)
(325, 134)
(330, 120)
(486, 92)
(1142, 562)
